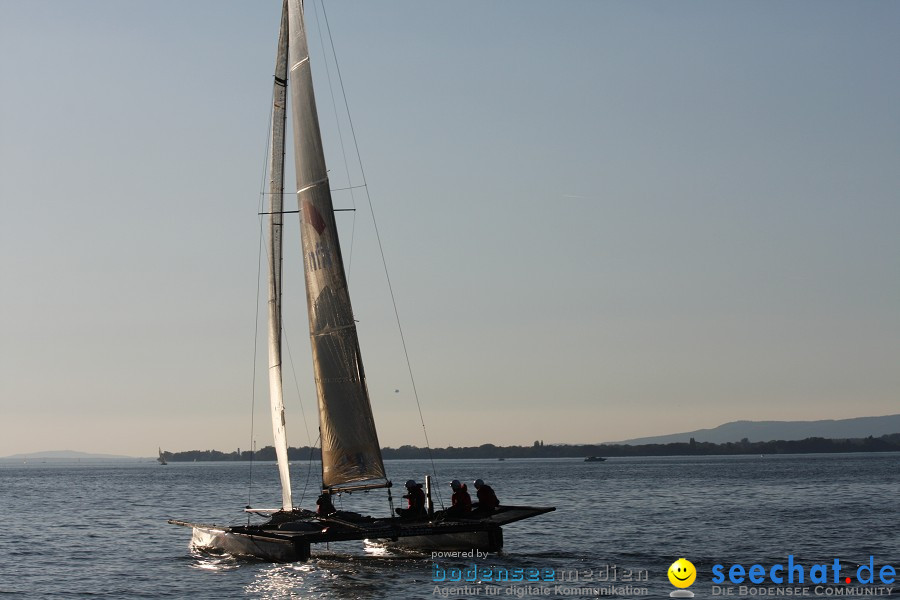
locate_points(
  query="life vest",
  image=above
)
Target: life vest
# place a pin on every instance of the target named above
(416, 498)
(461, 499)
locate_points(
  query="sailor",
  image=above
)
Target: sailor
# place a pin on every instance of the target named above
(325, 506)
(461, 501)
(415, 499)
(487, 499)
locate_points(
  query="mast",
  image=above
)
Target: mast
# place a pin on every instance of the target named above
(276, 190)
(350, 449)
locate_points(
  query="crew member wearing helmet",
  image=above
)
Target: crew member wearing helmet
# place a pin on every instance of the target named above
(487, 499)
(325, 506)
(415, 499)
(461, 501)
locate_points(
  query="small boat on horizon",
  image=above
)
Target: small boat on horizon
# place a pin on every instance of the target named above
(594, 459)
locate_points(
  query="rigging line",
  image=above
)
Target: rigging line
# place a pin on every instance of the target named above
(255, 347)
(262, 188)
(296, 381)
(337, 120)
(381, 250)
(312, 449)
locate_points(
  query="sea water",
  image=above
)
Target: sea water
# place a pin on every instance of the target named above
(97, 529)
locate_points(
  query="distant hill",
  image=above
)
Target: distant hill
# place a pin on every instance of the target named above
(765, 431)
(58, 454)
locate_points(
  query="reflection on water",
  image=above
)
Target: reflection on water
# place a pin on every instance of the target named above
(321, 577)
(375, 550)
(214, 562)
(282, 581)
(378, 550)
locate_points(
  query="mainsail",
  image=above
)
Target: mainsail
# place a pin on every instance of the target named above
(276, 189)
(350, 450)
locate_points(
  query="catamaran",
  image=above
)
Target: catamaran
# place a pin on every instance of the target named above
(351, 455)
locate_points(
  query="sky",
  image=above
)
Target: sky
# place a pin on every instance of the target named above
(601, 219)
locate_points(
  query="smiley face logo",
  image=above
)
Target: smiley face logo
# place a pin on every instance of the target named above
(682, 573)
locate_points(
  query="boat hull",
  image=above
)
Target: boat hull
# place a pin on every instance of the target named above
(290, 540)
(490, 540)
(226, 541)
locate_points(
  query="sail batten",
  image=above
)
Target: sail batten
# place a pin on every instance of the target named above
(276, 190)
(350, 449)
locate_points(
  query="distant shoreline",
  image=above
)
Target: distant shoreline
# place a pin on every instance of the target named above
(812, 445)
(885, 443)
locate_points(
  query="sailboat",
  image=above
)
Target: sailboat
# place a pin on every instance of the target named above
(162, 458)
(351, 454)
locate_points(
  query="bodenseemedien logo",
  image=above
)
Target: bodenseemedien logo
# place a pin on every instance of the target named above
(682, 574)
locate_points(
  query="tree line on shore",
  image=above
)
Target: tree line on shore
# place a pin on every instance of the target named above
(813, 445)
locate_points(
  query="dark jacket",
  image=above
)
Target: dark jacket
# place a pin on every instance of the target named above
(461, 501)
(416, 499)
(487, 499)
